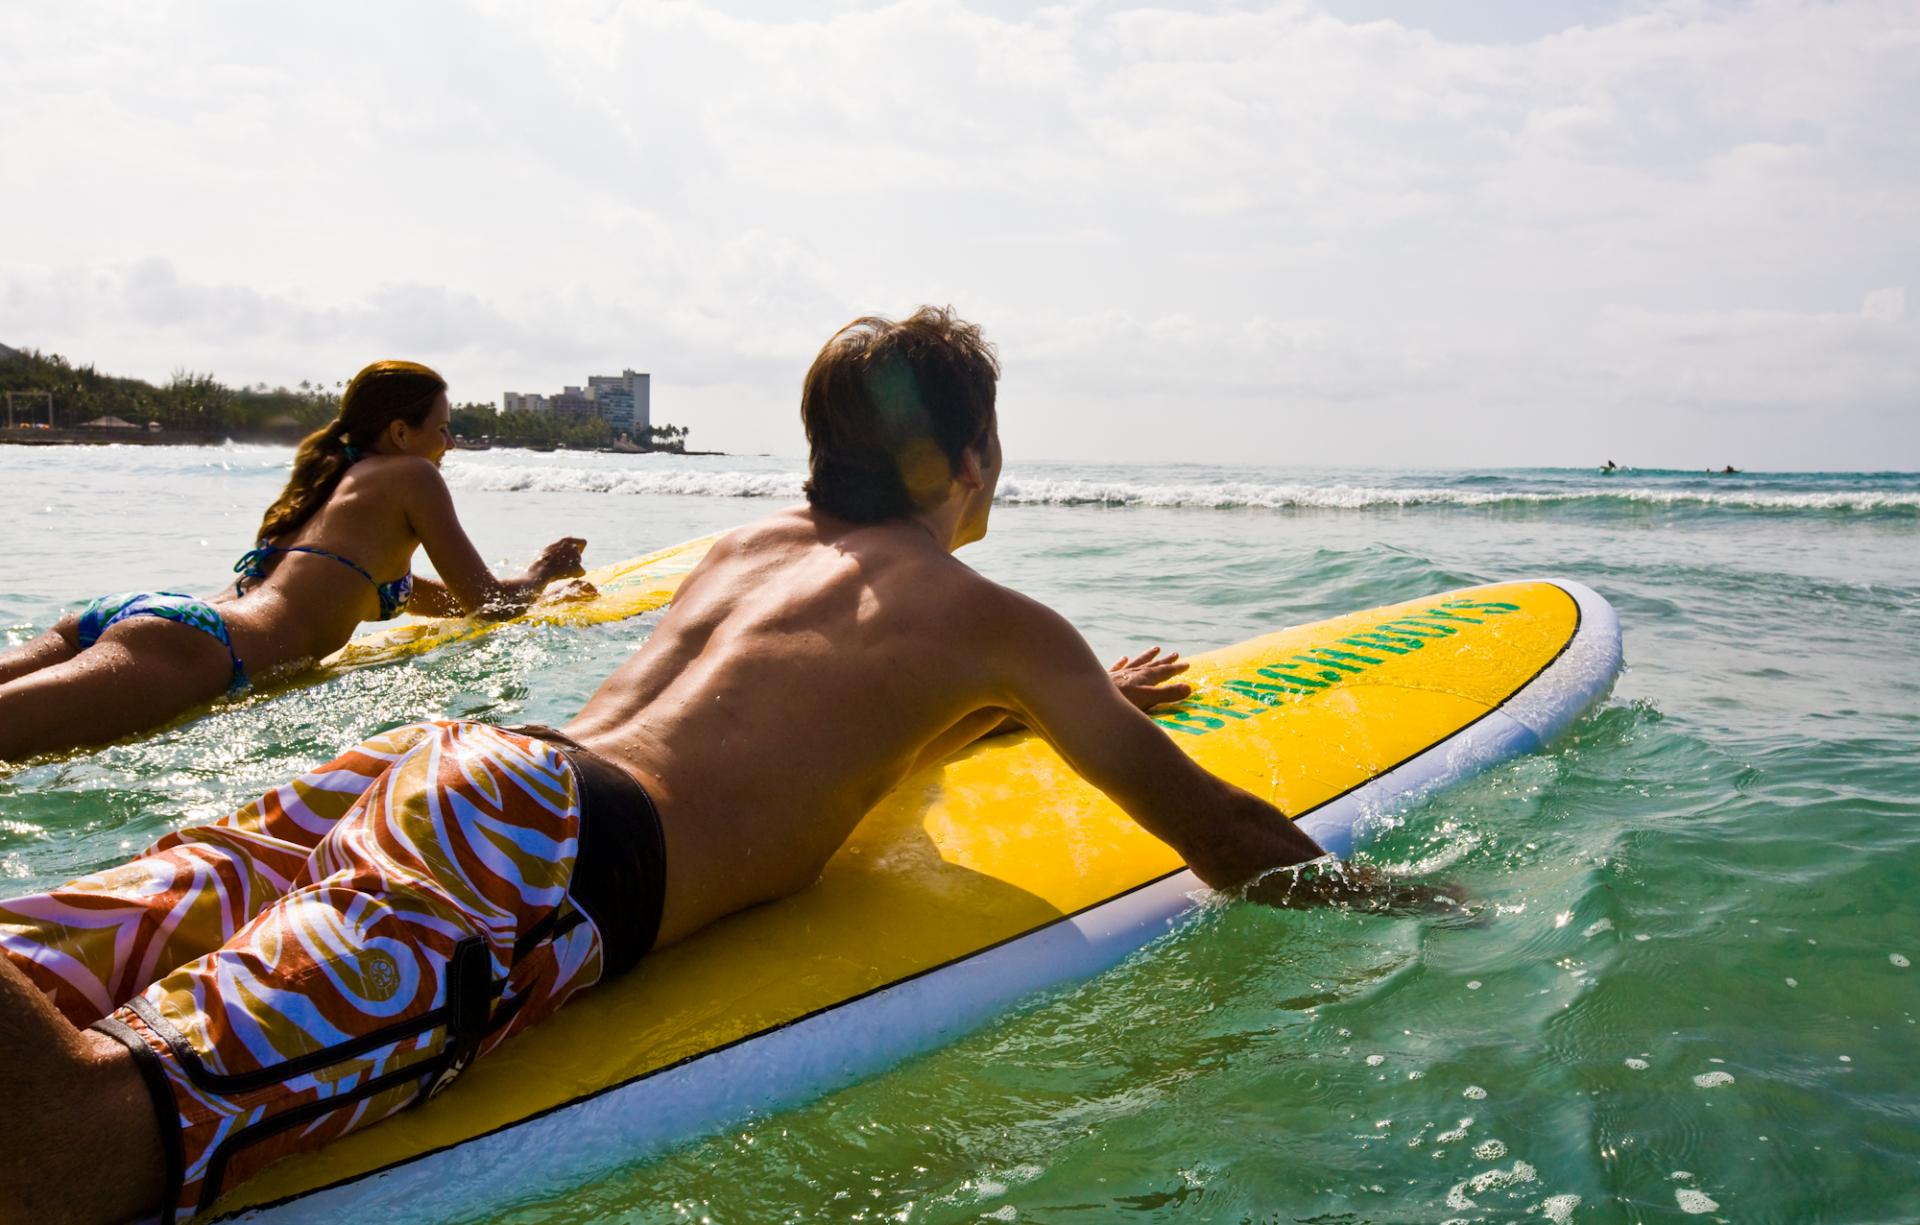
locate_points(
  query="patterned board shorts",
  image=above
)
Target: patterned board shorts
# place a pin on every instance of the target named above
(348, 943)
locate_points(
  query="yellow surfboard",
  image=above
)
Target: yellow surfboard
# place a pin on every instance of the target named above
(974, 884)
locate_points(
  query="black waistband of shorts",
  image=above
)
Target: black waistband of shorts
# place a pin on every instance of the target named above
(620, 868)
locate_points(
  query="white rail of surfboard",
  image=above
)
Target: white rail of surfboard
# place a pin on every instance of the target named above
(868, 1034)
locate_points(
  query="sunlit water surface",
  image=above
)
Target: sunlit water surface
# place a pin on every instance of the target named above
(1695, 996)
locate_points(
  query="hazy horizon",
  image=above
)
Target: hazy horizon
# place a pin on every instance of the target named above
(1352, 233)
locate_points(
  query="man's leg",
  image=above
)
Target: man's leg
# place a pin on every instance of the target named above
(430, 924)
(84, 1142)
(93, 943)
(87, 1142)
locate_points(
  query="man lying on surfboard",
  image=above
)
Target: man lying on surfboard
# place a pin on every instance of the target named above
(349, 943)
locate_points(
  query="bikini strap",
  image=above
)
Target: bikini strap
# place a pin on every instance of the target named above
(348, 562)
(253, 563)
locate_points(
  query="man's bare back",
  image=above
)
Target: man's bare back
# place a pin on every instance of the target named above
(801, 671)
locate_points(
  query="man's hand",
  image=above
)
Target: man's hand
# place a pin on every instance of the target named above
(1142, 679)
(1333, 882)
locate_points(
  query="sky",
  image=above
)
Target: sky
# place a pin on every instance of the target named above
(1340, 232)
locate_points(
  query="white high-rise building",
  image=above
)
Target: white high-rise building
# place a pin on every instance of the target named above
(519, 402)
(625, 401)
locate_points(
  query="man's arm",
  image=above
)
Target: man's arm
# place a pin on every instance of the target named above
(1229, 837)
(1145, 680)
(1057, 687)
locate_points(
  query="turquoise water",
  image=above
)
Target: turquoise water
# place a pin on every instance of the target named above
(1693, 997)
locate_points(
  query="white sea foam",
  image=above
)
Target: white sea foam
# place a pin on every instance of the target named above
(657, 477)
(1694, 1202)
(1246, 495)
(1489, 1180)
(567, 478)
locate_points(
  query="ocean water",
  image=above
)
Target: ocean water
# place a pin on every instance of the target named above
(1695, 993)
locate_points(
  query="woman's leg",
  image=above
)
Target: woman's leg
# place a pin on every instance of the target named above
(142, 672)
(56, 646)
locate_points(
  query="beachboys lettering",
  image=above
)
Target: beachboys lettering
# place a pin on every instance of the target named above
(1319, 668)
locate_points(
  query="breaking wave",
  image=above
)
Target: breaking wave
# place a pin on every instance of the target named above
(1019, 490)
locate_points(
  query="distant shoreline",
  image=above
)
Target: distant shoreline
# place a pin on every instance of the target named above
(30, 437)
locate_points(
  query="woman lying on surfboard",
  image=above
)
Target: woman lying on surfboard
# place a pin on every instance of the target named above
(365, 492)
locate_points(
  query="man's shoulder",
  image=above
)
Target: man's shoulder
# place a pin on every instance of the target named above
(892, 556)
(781, 528)
(974, 609)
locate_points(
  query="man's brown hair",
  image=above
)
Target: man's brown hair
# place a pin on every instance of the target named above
(890, 407)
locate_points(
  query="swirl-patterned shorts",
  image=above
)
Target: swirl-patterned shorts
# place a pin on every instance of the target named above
(345, 945)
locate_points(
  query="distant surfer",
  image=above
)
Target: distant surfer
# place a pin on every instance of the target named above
(335, 549)
(353, 940)
(1609, 468)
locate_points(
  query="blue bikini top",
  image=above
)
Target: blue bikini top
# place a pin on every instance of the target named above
(393, 595)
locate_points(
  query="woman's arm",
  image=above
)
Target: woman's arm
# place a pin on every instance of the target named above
(431, 599)
(467, 583)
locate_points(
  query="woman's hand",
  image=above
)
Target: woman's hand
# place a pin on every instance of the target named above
(569, 591)
(561, 559)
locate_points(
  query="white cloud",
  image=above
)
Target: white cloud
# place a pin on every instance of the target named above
(1251, 222)
(1885, 305)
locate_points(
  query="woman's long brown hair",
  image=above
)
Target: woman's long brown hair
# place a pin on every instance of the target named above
(381, 394)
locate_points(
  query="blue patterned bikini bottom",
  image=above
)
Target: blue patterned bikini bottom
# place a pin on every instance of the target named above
(109, 610)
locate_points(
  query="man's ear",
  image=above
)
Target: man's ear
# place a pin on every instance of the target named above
(971, 475)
